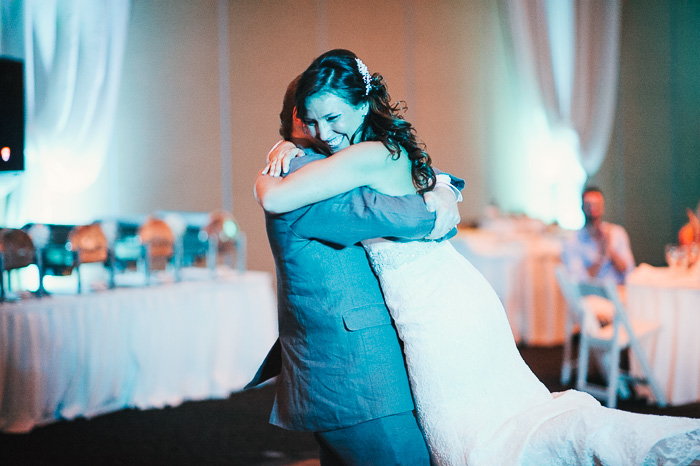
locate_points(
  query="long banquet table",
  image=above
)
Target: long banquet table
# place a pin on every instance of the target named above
(520, 267)
(63, 357)
(672, 299)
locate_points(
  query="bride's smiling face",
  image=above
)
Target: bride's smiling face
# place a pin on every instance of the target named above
(333, 119)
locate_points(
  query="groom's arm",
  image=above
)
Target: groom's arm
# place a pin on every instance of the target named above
(364, 213)
(443, 200)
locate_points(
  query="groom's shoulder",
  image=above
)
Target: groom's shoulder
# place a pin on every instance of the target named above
(308, 157)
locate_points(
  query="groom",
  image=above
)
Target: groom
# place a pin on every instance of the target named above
(341, 372)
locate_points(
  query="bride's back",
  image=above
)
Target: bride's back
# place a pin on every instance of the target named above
(397, 179)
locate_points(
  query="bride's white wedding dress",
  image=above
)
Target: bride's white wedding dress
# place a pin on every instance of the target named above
(478, 402)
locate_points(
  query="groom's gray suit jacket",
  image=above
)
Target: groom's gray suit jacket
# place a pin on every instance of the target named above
(341, 362)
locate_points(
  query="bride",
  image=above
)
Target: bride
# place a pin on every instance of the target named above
(478, 403)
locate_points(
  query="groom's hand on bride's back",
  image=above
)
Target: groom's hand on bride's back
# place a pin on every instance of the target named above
(443, 201)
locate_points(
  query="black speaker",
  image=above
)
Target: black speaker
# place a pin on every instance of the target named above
(11, 115)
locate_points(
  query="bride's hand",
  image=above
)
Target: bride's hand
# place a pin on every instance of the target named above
(443, 202)
(279, 158)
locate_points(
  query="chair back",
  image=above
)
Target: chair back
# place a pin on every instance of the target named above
(159, 245)
(620, 318)
(17, 248)
(89, 243)
(156, 234)
(223, 228)
(572, 295)
(589, 301)
(16, 251)
(225, 240)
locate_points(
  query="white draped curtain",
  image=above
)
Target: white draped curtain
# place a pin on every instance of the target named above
(564, 93)
(72, 52)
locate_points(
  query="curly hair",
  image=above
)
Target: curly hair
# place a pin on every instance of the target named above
(337, 72)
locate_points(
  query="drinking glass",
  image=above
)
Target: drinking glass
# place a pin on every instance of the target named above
(692, 252)
(682, 258)
(671, 252)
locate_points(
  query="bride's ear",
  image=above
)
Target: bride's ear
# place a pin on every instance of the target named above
(365, 109)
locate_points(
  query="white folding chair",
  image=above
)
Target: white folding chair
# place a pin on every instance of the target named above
(610, 338)
(603, 310)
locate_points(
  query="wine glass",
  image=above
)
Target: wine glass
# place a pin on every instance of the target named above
(672, 256)
(682, 257)
(692, 252)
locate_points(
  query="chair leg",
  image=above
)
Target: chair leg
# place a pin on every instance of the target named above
(147, 264)
(566, 363)
(614, 377)
(212, 255)
(565, 372)
(41, 291)
(2, 277)
(649, 374)
(241, 248)
(77, 272)
(112, 265)
(582, 370)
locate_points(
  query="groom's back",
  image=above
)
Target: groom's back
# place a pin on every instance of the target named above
(341, 359)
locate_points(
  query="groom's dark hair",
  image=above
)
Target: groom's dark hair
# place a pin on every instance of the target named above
(287, 113)
(287, 122)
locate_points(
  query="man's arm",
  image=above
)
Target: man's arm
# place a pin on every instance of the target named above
(572, 257)
(443, 201)
(620, 251)
(364, 213)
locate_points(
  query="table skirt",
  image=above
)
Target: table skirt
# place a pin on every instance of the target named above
(674, 353)
(62, 357)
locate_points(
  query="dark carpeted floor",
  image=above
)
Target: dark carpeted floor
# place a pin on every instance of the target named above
(228, 432)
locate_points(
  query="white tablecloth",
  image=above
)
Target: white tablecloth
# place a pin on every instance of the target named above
(520, 268)
(655, 293)
(146, 347)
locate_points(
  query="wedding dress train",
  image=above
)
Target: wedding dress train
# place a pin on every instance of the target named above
(478, 402)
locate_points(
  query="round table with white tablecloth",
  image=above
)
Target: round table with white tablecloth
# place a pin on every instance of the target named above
(673, 299)
(520, 268)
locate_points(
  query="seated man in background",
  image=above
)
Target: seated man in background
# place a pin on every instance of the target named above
(600, 250)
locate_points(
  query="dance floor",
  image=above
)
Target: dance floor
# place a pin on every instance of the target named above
(232, 431)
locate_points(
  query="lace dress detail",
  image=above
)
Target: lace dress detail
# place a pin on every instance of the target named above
(398, 254)
(478, 403)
